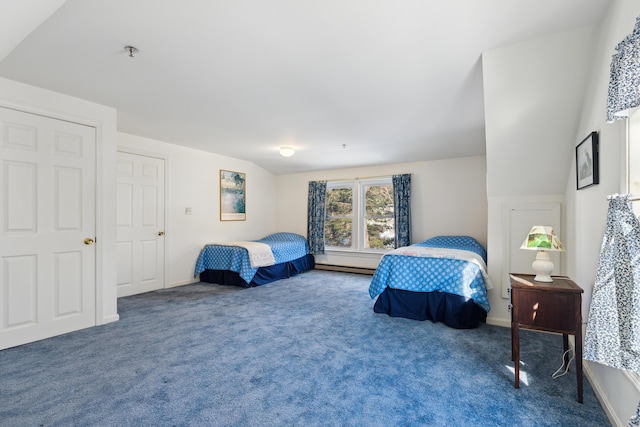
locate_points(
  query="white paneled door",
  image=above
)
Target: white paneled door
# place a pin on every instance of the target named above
(140, 224)
(47, 227)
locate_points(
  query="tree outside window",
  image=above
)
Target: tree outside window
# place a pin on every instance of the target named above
(378, 216)
(360, 215)
(338, 225)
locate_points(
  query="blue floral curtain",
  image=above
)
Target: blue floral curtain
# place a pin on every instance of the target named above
(613, 328)
(316, 213)
(402, 211)
(624, 90)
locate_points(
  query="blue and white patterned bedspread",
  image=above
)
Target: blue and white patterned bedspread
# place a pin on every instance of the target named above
(427, 274)
(285, 247)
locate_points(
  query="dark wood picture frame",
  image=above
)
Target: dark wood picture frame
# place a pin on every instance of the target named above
(587, 168)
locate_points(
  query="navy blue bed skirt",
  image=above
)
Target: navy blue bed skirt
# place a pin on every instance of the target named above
(452, 310)
(263, 276)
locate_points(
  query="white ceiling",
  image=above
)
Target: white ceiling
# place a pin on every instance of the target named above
(346, 82)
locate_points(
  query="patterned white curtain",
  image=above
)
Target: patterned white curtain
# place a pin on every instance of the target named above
(624, 83)
(316, 213)
(613, 328)
(624, 94)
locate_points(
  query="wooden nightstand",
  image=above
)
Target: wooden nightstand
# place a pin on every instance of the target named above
(552, 307)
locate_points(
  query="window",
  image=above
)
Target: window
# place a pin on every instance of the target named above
(360, 215)
(377, 203)
(338, 225)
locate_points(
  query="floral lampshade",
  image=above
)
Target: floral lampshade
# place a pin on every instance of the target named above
(542, 238)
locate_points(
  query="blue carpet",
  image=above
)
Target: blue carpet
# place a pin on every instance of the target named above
(307, 351)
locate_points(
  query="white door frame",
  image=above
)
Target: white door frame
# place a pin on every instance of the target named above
(100, 288)
(167, 228)
(57, 156)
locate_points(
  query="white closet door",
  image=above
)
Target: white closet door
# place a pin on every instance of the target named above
(47, 227)
(140, 224)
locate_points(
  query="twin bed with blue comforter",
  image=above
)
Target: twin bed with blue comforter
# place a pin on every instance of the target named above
(231, 264)
(442, 279)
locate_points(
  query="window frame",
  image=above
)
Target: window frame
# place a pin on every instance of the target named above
(362, 215)
(358, 224)
(343, 184)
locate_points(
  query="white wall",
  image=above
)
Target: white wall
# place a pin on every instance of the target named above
(192, 180)
(447, 197)
(513, 113)
(532, 96)
(38, 101)
(587, 209)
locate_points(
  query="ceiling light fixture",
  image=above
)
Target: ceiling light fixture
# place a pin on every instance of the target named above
(131, 50)
(287, 151)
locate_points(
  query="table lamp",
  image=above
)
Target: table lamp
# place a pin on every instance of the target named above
(543, 239)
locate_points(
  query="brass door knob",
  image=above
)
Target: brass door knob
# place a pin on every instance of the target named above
(160, 233)
(88, 241)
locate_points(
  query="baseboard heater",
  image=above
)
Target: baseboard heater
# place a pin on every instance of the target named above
(345, 269)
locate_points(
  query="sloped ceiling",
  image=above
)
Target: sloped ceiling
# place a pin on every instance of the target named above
(345, 82)
(18, 18)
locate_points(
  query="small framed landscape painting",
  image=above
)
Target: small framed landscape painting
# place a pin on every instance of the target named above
(232, 196)
(587, 162)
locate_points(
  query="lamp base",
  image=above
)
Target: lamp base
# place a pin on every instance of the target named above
(542, 266)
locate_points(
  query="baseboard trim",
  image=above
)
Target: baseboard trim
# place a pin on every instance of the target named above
(181, 283)
(109, 319)
(601, 396)
(345, 269)
(496, 321)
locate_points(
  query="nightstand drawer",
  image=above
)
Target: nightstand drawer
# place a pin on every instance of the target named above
(544, 310)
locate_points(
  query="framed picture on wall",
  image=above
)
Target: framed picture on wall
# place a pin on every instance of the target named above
(587, 170)
(232, 196)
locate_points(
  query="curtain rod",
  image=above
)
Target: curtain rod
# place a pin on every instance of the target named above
(630, 199)
(367, 177)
